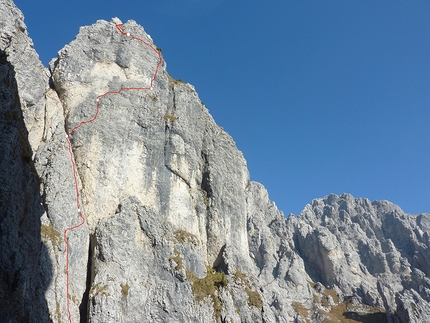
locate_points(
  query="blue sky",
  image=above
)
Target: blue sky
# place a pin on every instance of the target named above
(321, 96)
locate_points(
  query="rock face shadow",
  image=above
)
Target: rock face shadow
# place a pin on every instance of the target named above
(366, 318)
(25, 266)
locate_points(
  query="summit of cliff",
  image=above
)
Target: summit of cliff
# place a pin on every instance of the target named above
(172, 229)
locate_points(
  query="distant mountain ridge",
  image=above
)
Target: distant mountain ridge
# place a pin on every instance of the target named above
(175, 230)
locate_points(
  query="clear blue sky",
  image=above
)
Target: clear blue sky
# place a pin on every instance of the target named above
(321, 96)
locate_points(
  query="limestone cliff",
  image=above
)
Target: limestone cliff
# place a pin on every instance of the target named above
(174, 229)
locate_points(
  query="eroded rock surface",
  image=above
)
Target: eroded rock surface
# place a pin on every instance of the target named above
(175, 230)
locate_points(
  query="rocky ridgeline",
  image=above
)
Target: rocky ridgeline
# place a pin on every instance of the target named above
(175, 231)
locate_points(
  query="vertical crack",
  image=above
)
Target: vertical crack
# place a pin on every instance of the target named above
(206, 184)
(83, 308)
(169, 116)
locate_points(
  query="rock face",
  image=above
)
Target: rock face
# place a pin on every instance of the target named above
(175, 231)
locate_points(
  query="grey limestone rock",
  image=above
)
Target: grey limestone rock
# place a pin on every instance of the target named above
(175, 230)
(40, 189)
(25, 267)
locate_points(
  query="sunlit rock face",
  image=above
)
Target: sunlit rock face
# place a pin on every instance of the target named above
(174, 228)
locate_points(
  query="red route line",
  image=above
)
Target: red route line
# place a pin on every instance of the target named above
(72, 161)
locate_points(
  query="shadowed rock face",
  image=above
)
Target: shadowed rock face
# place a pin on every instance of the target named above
(25, 267)
(175, 230)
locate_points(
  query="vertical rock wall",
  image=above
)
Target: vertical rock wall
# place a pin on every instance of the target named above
(175, 230)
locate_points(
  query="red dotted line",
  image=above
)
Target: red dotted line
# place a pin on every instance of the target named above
(78, 205)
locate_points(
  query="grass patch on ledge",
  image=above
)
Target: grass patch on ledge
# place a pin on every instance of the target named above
(299, 308)
(177, 258)
(173, 82)
(254, 297)
(124, 289)
(344, 312)
(49, 233)
(181, 236)
(208, 287)
(170, 116)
